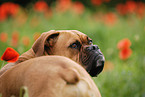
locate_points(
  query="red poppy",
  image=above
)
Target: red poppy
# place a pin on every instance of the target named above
(140, 10)
(125, 43)
(7, 9)
(3, 14)
(26, 40)
(3, 36)
(13, 9)
(121, 9)
(63, 5)
(41, 6)
(97, 2)
(125, 53)
(130, 6)
(78, 7)
(15, 38)
(10, 55)
(124, 47)
(110, 18)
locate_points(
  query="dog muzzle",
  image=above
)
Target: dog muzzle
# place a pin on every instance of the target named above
(92, 59)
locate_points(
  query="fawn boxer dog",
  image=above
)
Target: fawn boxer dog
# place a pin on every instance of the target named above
(45, 75)
(69, 43)
(48, 76)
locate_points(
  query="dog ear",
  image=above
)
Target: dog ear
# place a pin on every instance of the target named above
(46, 40)
(51, 40)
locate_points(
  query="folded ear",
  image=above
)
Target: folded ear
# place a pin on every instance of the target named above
(47, 40)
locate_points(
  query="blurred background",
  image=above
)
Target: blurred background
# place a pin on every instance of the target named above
(116, 26)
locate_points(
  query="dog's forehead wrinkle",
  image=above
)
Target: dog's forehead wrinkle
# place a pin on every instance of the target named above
(69, 36)
(83, 37)
(74, 36)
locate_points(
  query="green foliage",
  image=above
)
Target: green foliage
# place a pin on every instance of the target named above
(126, 78)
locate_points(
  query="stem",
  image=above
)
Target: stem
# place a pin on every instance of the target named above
(2, 64)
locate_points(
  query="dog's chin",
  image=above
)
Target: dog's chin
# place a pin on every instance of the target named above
(93, 60)
(96, 66)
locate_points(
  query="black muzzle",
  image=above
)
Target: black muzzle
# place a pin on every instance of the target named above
(93, 59)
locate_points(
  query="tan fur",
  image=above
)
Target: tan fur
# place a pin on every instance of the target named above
(48, 76)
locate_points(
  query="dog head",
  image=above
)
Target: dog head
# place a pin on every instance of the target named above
(72, 44)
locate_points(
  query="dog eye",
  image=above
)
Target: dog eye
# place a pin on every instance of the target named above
(90, 42)
(74, 45)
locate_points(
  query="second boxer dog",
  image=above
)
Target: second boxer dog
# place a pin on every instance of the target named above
(69, 43)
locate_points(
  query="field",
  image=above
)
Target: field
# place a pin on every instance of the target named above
(122, 76)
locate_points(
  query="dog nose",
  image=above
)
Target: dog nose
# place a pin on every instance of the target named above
(94, 47)
(100, 63)
(100, 60)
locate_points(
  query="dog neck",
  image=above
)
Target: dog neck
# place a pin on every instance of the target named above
(25, 56)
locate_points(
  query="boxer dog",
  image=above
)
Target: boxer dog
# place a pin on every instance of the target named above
(48, 76)
(69, 43)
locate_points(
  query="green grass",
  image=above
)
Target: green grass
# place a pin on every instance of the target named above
(127, 78)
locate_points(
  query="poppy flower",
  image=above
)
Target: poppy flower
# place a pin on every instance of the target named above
(130, 6)
(78, 7)
(3, 36)
(96, 2)
(110, 18)
(10, 55)
(121, 9)
(140, 10)
(124, 47)
(125, 43)
(8, 9)
(3, 14)
(125, 53)
(13, 9)
(15, 38)
(41, 6)
(63, 5)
